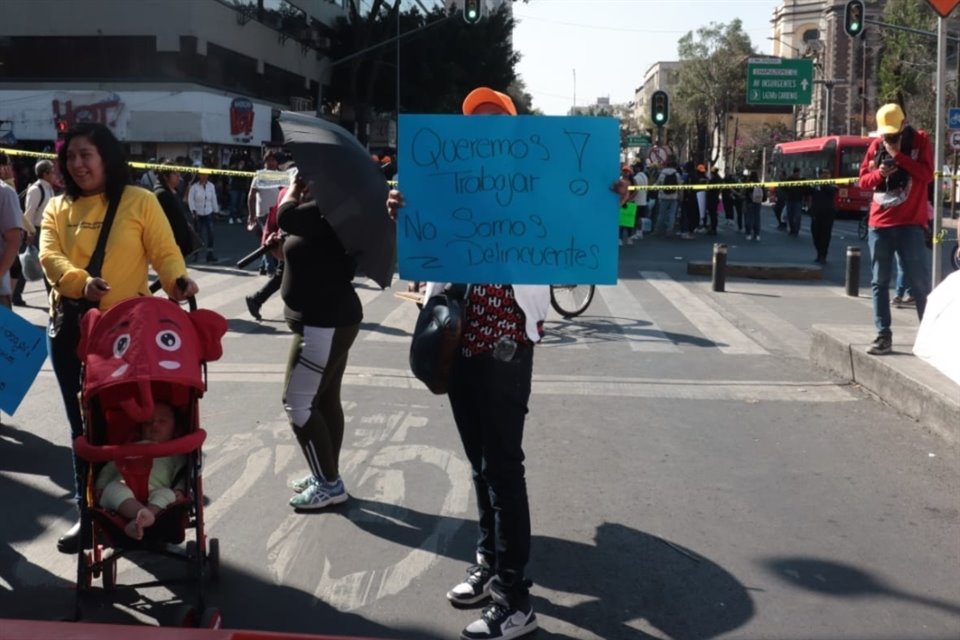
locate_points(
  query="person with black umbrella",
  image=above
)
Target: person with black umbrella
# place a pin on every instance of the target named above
(324, 312)
(488, 392)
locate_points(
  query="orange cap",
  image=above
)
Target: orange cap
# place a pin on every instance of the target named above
(482, 95)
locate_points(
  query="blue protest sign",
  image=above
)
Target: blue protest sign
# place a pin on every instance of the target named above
(953, 118)
(518, 200)
(23, 348)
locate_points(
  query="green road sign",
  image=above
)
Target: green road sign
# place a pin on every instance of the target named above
(638, 141)
(779, 81)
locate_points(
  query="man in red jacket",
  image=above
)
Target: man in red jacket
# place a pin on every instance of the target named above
(898, 167)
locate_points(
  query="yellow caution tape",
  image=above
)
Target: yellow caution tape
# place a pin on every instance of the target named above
(153, 165)
(741, 185)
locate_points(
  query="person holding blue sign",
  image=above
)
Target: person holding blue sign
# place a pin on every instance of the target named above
(488, 396)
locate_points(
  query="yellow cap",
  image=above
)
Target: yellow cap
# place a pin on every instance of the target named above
(890, 118)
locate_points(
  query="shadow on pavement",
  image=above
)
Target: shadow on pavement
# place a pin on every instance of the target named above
(625, 576)
(846, 581)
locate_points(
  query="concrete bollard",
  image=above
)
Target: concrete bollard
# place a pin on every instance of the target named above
(719, 266)
(853, 271)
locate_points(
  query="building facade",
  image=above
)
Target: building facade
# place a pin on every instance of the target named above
(166, 76)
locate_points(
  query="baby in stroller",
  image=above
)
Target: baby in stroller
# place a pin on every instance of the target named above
(116, 496)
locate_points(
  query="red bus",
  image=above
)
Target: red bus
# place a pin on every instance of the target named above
(842, 155)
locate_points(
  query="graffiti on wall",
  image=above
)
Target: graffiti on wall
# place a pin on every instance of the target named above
(104, 107)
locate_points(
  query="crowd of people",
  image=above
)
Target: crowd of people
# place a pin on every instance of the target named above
(155, 227)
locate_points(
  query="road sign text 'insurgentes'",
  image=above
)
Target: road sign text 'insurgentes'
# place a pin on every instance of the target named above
(779, 81)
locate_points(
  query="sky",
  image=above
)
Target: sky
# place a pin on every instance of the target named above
(611, 43)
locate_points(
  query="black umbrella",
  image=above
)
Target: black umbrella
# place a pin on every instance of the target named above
(349, 189)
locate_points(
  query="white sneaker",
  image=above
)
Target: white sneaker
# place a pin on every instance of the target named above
(749, 237)
(621, 242)
(630, 240)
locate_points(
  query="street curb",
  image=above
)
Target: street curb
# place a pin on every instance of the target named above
(759, 270)
(900, 379)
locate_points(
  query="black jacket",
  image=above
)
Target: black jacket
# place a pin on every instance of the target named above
(317, 285)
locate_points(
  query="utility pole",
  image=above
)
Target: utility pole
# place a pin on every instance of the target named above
(939, 150)
(829, 84)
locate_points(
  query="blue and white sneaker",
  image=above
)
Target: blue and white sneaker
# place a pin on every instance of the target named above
(320, 495)
(300, 485)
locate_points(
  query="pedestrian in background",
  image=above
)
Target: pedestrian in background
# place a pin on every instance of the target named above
(640, 199)
(95, 172)
(751, 208)
(488, 395)
(11, 229)
(622, 189)
(823, 211)
(668, 200)
(898, 167)
(203, 204)
(793, 207)
(713, 200)
(260, 200)
(38, 195)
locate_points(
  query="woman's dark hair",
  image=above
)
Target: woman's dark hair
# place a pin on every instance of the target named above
(115, 169)
(165, 172)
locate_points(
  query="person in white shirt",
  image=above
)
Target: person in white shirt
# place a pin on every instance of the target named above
(36, 199)
(260, 201)
(203, 204)
(11, 231)
(640, 198)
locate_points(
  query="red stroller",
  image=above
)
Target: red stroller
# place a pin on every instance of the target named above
(140, 352)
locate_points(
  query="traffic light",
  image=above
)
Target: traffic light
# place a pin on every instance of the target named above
(853, 18)
(659, 108)
(471, 11)
(62, 126)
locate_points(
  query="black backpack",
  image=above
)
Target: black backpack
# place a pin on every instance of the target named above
(23, 196)
(670, 179)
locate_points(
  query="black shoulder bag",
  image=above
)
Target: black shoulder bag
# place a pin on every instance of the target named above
(436, 338)
(69, 311)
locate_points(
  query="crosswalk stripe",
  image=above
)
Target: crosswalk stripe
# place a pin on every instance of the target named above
(639, 329)
(781, 332)
(398, 325)
(710, 323)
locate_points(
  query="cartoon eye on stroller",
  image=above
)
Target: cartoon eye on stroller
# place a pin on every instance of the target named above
(139, 457)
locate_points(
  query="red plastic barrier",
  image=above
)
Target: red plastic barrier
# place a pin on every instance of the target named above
(41, 630)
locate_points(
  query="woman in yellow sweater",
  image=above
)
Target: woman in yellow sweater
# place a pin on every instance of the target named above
(95, 171)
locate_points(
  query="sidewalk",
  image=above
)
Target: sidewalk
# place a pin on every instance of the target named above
(899, 379)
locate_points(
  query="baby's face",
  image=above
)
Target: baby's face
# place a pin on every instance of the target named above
(162, 426)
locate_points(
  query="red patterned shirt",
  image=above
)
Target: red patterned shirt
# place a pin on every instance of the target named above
(492, 311)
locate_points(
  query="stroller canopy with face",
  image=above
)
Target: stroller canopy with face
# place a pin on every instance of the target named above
(146, 350)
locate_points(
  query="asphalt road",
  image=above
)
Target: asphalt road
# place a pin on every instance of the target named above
(691, 475)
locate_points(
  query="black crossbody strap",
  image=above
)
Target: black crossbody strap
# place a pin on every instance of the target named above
(96, 260)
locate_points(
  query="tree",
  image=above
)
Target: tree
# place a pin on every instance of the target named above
(711, 84)
(439, 64)
(907, 71)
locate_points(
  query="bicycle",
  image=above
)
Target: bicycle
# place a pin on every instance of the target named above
(571, 300)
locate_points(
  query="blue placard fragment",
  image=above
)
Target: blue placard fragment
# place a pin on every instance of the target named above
(518, 200)
(23, 348)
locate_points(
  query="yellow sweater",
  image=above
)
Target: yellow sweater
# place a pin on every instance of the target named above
(140, 235)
